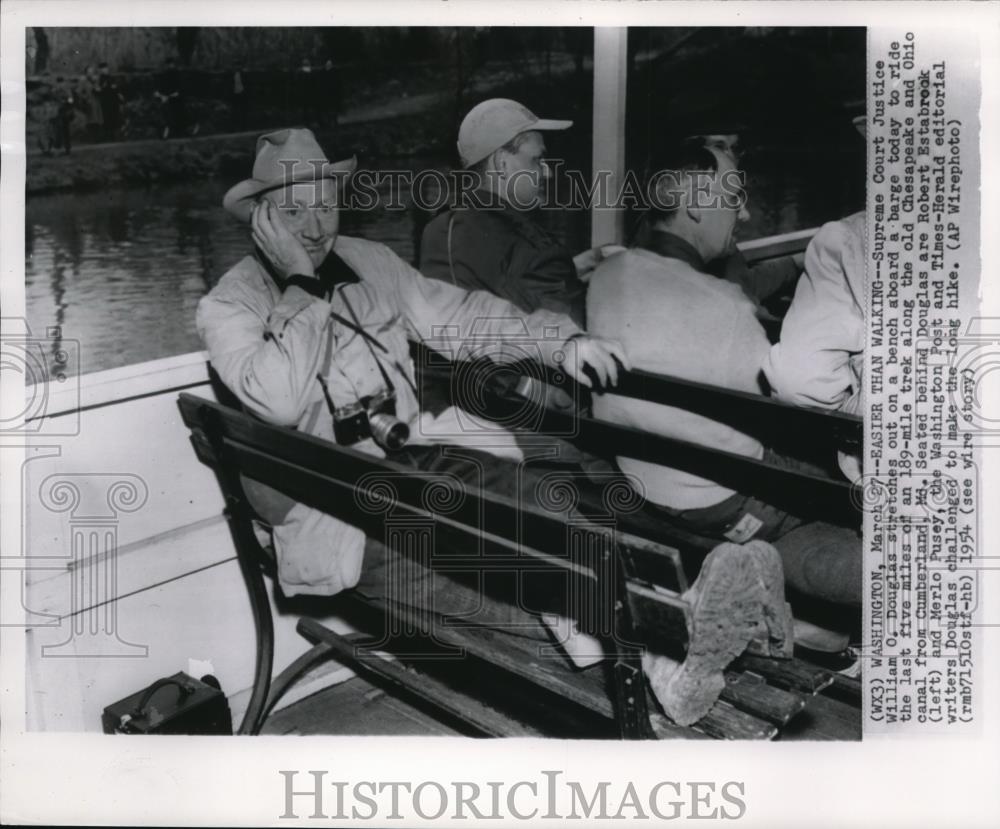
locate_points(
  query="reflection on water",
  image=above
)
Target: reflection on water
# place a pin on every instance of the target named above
(121, 272)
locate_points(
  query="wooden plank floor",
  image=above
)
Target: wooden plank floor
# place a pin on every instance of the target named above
(352, 708)
(790, 700)
(357, 707)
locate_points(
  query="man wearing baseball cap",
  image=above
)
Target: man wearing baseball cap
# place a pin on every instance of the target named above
(492, 240)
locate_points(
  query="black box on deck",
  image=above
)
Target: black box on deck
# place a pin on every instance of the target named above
(178, 704)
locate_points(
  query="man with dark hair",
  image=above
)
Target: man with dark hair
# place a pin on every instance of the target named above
(674, 318)
(765, 281)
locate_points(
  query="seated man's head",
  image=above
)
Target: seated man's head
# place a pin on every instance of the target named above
(309, 212)
(502, 142)
(292, 174)
(697, 193)
(728, 143)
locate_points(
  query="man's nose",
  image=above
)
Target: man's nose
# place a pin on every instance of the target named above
(313, 229)
(546, 172)
(744, 214)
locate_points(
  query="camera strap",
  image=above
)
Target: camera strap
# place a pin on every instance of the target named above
(367, 338)
(451, 262)
(328, 361)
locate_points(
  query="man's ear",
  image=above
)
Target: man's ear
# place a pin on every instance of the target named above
(501, 161)
(668, 192)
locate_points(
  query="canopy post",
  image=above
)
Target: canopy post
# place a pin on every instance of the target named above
(607, 226)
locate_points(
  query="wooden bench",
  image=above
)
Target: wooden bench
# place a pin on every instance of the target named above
(635, 583)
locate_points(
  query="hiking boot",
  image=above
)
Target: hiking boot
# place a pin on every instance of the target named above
(726, 612)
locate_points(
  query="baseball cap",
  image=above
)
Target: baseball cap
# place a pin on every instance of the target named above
(491, 124)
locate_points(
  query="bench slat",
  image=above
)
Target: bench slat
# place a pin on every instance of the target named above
(751, 693)
(791, 674)
(797, 492)
(662, 613)
(726, 722)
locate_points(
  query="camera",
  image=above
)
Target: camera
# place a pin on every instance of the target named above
(373, 416)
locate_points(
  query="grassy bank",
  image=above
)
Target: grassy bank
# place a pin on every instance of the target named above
(227, 156)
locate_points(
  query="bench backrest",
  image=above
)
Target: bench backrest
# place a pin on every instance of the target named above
(568, 559)
(771, 421)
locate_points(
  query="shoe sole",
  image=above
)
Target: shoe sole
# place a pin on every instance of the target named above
(725, 614)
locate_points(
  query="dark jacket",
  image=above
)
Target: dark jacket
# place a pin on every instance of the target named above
(506, 252)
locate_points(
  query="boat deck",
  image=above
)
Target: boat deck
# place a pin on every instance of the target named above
(359, 707)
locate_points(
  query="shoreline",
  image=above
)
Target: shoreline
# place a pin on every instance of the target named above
(152, 161)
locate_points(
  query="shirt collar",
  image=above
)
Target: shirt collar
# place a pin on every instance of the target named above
(672, 246)
(332, 271)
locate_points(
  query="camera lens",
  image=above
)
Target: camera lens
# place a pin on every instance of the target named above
(389, 432)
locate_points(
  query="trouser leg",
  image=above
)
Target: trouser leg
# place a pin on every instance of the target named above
(493, 599)
(823, 561)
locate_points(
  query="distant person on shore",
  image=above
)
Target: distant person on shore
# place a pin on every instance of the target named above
(330, 93)
(240, 103)
(58, 123)
(308, 95)
(88, 101)
(170, 93)
(112, 102)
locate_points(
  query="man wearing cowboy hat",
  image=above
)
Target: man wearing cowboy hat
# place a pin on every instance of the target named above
(312, 327)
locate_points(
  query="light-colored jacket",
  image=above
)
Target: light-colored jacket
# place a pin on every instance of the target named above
(268, 348)
(820, 356)
(675, 320)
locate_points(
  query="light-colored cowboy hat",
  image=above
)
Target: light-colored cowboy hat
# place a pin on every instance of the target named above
(284, 157)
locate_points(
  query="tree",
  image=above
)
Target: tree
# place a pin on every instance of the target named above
(41, 49)
(187, 41)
